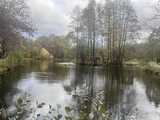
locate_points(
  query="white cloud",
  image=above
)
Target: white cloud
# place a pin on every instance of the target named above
(53, 16)
(144, 7)
(145, 11)
(47, 18)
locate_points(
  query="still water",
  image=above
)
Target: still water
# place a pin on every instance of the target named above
(126, 93)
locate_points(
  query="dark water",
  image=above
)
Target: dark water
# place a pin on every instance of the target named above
(127, 93)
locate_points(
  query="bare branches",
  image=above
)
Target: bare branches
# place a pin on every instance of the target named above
(116, 22)
(14, 20)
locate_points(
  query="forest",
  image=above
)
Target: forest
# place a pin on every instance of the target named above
(104, 41)
(99, 34)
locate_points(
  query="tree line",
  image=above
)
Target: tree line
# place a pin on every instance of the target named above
(100, 34)
(106, 27)
(17, 34)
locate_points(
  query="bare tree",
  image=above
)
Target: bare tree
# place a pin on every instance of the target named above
(121, 24)
(14, 21)
(116, 22)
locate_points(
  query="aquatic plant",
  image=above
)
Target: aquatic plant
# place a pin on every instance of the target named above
(26, 108)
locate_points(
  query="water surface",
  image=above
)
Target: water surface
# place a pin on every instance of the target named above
(127, 93)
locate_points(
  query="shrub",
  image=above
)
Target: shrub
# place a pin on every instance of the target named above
(15, 58)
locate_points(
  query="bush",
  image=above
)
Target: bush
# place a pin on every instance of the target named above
(15, 58)
(44, 54)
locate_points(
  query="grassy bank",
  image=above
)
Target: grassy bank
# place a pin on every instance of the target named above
(148, 67)
(152, 67)
(19, 57)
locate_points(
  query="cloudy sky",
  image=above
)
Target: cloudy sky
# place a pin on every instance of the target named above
(53, 16)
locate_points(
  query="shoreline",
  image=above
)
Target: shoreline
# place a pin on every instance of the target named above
(147, 67)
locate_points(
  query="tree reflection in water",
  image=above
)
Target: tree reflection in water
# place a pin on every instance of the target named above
(152, 88)
(94, 93)
(94, 87)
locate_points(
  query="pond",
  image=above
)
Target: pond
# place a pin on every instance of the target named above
(124, 93)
